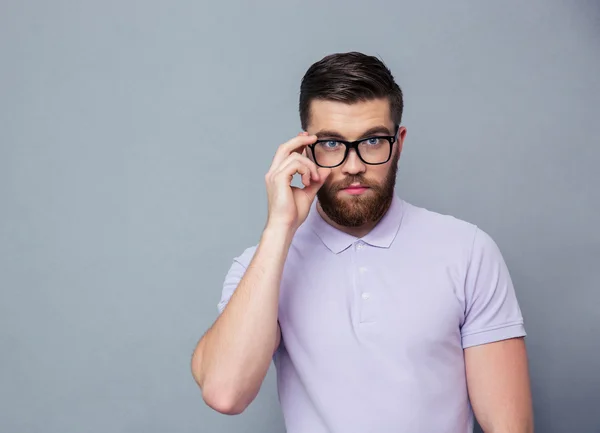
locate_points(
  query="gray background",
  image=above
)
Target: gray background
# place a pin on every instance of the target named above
(134, 137)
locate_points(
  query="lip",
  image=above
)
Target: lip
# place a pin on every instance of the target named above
(355, 189)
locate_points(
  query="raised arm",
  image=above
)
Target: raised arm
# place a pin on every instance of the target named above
(231, 360)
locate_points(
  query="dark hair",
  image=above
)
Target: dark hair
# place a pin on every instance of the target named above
(349, 77)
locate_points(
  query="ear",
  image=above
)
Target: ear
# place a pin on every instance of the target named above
(400, 136)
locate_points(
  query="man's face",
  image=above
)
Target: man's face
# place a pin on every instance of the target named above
(356, 193)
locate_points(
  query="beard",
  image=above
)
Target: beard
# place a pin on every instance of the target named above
(358, 210)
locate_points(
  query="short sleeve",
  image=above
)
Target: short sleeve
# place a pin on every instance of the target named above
(234, 276)
(492, 311)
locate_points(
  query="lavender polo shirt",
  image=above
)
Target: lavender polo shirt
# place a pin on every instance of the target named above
(373, 329)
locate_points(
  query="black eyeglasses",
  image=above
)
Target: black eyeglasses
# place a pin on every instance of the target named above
(376, 150)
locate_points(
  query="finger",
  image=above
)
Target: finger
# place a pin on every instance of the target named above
(305, 176)
(299, 142)
(306, 179)
(290, 168)
(313, 167)
(311, 190)
(303, 134)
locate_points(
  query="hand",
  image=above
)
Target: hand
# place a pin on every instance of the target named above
(289, 205)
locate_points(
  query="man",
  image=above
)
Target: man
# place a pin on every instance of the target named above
(380, 316)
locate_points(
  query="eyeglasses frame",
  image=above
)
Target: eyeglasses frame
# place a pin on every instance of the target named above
(391, 139)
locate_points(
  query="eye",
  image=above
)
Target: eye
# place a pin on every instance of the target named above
(329, 144)
(374, 141)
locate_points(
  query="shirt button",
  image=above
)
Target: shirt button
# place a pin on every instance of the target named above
(366, 296)
(360, 245)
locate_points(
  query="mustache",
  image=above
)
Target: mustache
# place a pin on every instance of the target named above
(350, 180)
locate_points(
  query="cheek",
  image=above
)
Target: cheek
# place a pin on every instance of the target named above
(377, 174)
(334, 177)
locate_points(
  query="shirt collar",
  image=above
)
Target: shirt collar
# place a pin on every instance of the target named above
(382, 235)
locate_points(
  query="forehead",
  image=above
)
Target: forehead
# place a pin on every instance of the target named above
(350, 120)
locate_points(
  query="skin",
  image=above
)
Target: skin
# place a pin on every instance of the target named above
(351, 122)
(499, 386)
(231, 359)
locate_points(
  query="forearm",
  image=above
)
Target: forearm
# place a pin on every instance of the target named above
(233, 357)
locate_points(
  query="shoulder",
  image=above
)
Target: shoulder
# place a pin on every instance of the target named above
(447, 236)
(438, 228)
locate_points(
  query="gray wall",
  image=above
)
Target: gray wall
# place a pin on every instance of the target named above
(134, 137)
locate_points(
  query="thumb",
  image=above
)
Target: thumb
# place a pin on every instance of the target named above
(314, 186)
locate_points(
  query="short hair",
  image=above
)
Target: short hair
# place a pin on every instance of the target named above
(349, 77)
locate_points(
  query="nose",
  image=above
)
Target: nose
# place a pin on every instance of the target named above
(353, 164)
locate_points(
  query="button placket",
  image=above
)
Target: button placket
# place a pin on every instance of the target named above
(364, 292)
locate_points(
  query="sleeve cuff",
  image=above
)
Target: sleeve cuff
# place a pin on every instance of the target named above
(493, 335)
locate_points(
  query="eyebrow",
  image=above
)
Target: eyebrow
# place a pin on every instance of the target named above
(369, 132)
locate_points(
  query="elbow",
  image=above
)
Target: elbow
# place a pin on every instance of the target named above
(217, 397)
(222, 398)
(222, 394)
(224, 401)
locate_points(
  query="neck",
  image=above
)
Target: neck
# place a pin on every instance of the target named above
(357, 232)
